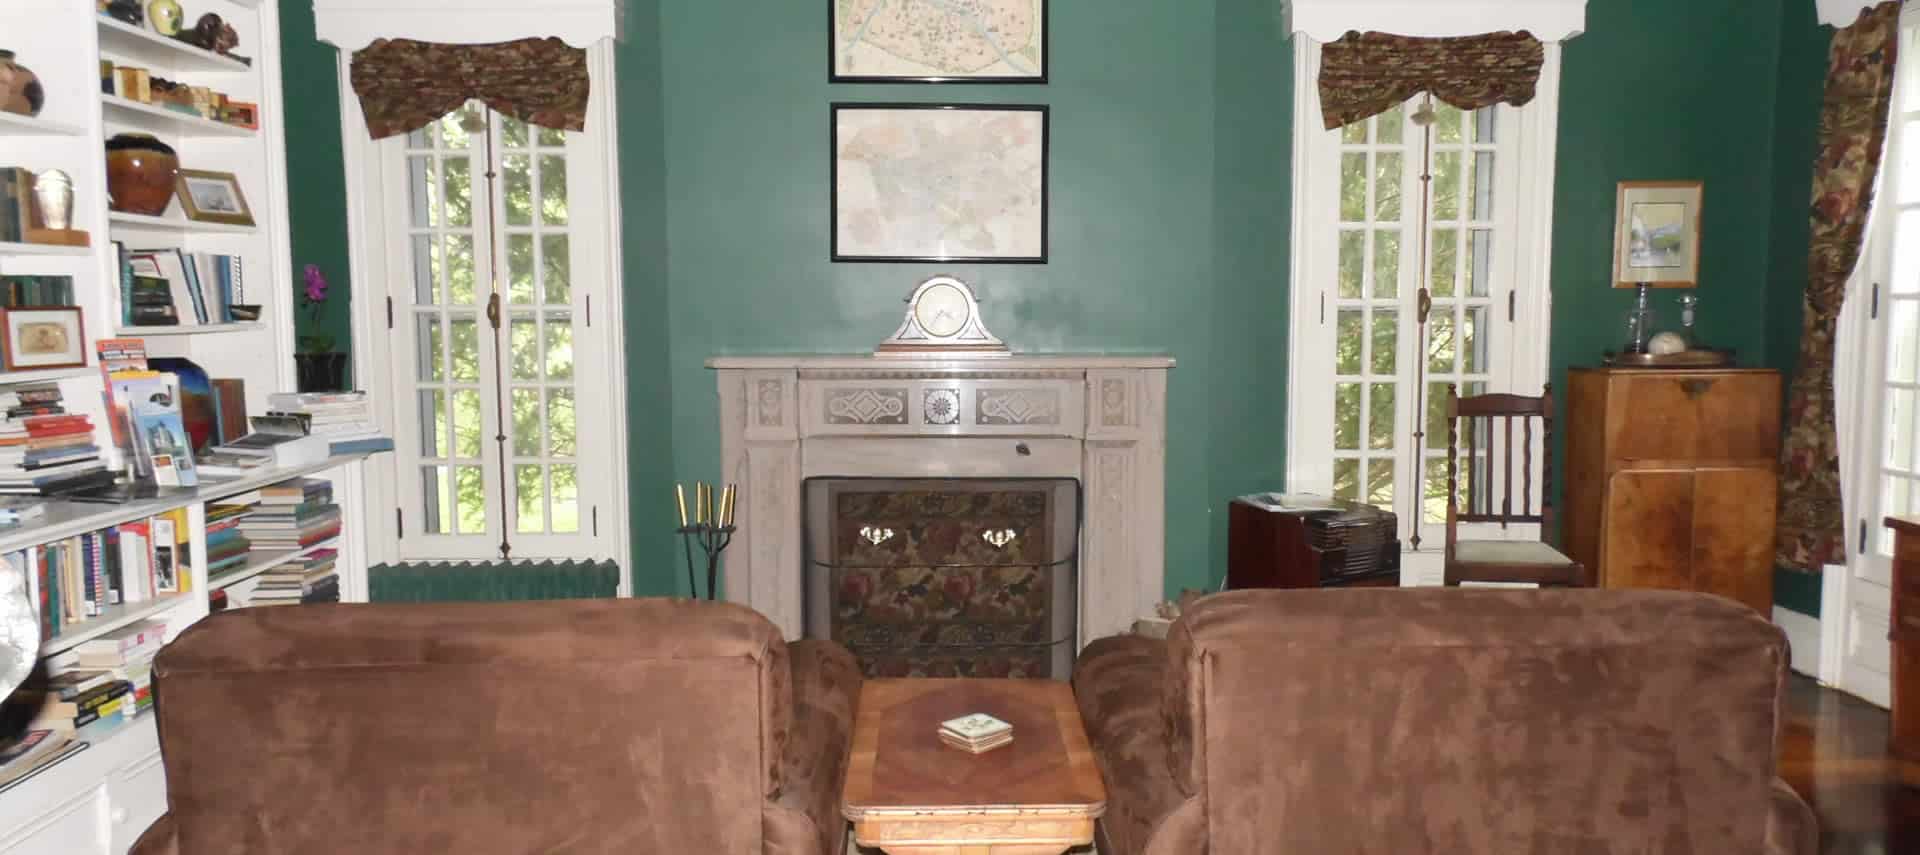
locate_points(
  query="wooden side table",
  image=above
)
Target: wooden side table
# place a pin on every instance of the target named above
(1905, 641)
(907, 793)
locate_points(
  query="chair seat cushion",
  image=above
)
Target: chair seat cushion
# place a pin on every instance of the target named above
(1531, 552)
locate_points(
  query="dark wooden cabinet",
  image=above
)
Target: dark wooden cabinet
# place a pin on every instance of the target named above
(1670, 479)
(1905, 641)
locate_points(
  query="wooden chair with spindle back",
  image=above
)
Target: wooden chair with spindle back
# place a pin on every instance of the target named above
(1503, 560)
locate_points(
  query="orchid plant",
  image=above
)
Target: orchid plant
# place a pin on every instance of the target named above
(314, 304)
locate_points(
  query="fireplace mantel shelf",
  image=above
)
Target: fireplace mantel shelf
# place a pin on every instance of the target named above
(944, 362)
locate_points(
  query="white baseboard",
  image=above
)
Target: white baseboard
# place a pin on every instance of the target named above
(1803, 637)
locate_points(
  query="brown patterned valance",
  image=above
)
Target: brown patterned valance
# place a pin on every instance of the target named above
(404, 84)
(1367, 74)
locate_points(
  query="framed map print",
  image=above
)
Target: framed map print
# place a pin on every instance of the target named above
(937, 41)
(927, 182)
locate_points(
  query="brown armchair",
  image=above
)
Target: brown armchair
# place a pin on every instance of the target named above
(1476, 722)
(584, 726)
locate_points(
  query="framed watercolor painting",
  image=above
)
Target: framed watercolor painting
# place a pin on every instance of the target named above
(1656, 234)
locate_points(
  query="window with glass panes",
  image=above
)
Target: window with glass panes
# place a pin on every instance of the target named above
(1889, 286)
(494, 316)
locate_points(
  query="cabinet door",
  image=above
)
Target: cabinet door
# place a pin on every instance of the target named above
(137, 796)
(1733, 514)
(73, 828)
(1731, 416)
(1648, 530)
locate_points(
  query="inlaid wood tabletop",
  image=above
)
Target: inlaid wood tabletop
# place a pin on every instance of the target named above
(908, 793)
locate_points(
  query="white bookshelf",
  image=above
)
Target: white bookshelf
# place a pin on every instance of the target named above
(99, 800)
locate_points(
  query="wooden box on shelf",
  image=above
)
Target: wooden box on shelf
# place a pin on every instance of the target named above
(1670, 479)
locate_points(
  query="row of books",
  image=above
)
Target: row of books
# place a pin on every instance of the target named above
(174, 287)
(45, 449)
(78, 578)
(34, 292)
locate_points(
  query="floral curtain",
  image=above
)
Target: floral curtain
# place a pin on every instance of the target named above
(1366, 74)
(1853, 130)
(405, 84)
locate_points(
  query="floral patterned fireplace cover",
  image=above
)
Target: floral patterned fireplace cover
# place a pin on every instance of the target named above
(959, 582)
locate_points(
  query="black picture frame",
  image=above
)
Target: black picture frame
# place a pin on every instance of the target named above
(1046, 57)
(833, 182)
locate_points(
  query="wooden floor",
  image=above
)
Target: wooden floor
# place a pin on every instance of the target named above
(1835, 754)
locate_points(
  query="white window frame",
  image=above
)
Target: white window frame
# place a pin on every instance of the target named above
(378, 248)
(1522, 256)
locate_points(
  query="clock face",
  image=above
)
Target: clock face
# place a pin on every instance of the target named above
(942, 311)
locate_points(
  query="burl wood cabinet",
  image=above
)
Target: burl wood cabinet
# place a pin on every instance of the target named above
(1905, 639)
(1670, 479)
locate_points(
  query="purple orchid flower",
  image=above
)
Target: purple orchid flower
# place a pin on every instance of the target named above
(316, 284)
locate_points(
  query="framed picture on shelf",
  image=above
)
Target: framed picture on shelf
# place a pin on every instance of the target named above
(212, 197)
(1656, 234)
(1004, 41)
(43, 338)
(939, 183)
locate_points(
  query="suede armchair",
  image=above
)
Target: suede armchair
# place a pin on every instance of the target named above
(583, 726)
(1471, 722)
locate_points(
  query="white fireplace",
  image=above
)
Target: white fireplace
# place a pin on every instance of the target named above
(1098, 419)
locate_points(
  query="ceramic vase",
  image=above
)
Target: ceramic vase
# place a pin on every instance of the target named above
(140, 172)
(20, 90)
(165, 16)
(54, 191)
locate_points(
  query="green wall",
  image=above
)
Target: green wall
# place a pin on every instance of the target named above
(316, 174)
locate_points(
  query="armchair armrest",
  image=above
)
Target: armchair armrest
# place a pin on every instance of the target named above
(1791, 826)
(159, 839)
(1119, 684)
(826, 693)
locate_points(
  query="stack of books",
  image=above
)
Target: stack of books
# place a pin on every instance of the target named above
(227, 546)
(976, 734)
(344, 418)
(126, 655)
(106, 679)
(292, 515)
(43, 448)
(309, 579)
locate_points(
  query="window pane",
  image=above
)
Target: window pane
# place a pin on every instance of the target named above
(427, 360)
(1485, 121)
(466, 423)
(523, 336)
(513, 132)
(1391, 123)
(423, 196)
(1434, 499)
(559, 346)
(1447, 124)
(436, 499)
(530, 499)
(459, 191)
(1350, 333)
(1903, 341)
(1353, 187)
(433, 423)
(1446, 185)
(551, 137)
(1346, 479)
(1354, 134)
(553, 189)
(464, 349)
(470, 491)
(1483, 186)
(459, 262)
(520, 269)
(1900, 428)
(1346, 416)
(1380, 483)
(1446, 254)
(453, 127)
(518, 182)
(566, 499)
(562, 431)
(1906, 252)
(1441, 345)
(1386, 340)
(1380, 416)
(556, 269)
(426, 270)
(1910, 162)
(426, 137)
(1480, 284)
(526, 422)
(1386, 263)
(1353, 261)
(1436, 415)
(1386, 188)
(1473, 347)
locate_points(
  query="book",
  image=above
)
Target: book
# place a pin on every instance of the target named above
(230, 408)
(160, 429)
(32, 752)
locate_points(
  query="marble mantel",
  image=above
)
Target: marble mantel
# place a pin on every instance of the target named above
(1100, 419)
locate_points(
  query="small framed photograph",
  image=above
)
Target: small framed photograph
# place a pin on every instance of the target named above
(212, 197)
(1656, 236)
(978, 41)
(43, 338)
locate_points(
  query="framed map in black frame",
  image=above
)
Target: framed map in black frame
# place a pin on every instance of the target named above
(939, 182)
(950, 41)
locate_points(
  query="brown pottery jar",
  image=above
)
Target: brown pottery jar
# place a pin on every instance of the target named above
(140, 173)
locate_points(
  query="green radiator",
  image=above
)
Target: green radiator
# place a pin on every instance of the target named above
(495, 581)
